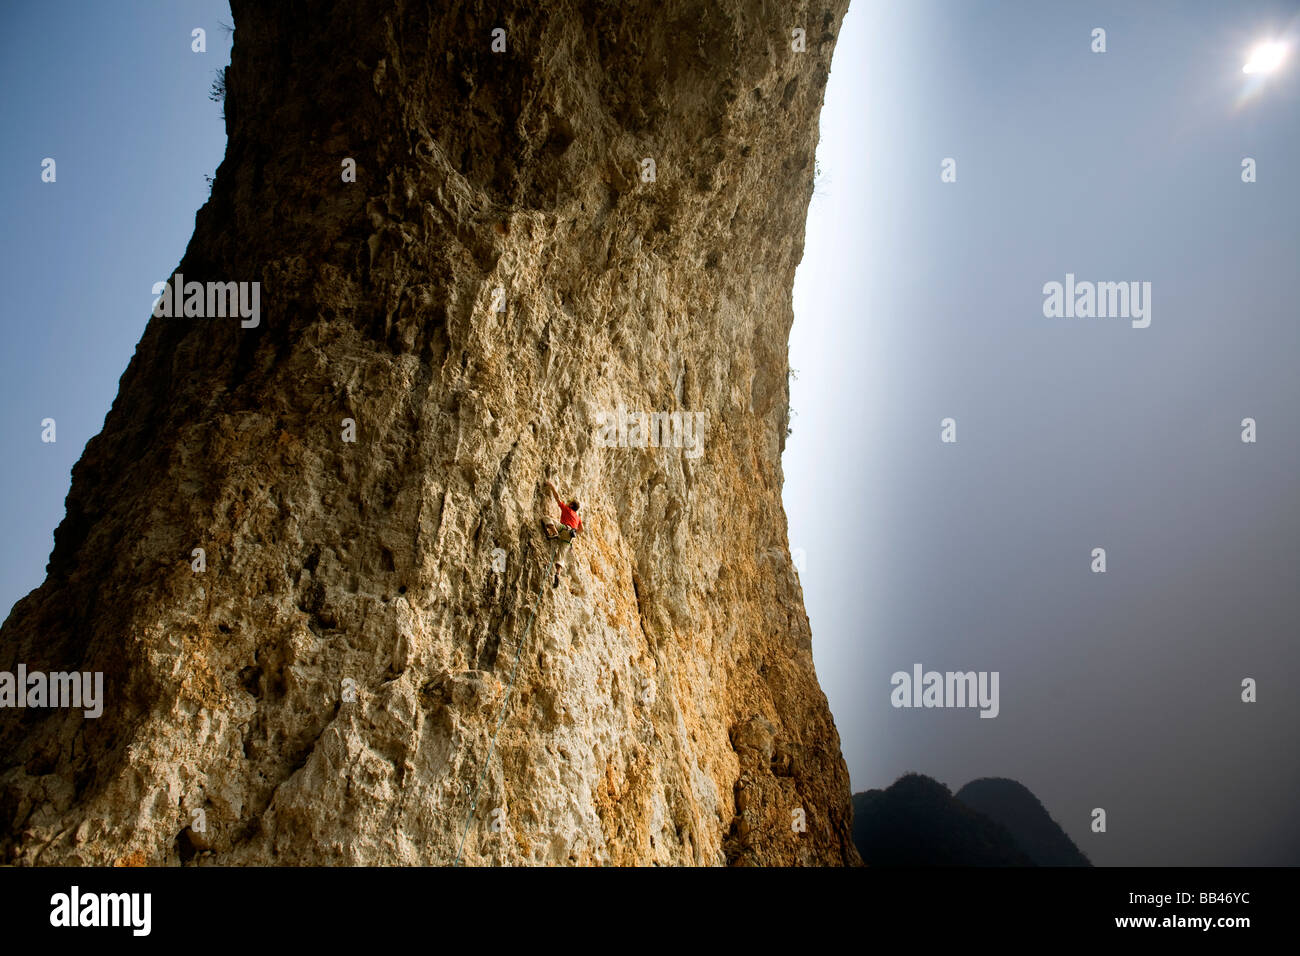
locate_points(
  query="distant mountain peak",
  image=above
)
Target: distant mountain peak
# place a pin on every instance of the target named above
(1012, 805)
(917, 822)
(992, 821)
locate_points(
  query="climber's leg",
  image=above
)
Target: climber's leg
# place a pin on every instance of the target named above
(561, 552)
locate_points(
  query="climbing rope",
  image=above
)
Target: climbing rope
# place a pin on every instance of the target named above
(555, 549)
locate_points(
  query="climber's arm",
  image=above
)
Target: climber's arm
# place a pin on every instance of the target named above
(554, 494)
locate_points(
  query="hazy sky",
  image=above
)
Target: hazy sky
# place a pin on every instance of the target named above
(919, 300)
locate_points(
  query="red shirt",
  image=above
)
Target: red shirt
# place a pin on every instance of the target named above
(569, 517)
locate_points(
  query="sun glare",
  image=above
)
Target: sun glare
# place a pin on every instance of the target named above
(1265, 58)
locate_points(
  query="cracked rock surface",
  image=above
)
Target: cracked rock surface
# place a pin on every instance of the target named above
(502, 273)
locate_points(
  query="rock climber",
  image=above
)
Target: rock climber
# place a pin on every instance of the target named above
(571, 523)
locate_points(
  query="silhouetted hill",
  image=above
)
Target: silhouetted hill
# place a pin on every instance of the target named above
(917, 822)
(1017, 810)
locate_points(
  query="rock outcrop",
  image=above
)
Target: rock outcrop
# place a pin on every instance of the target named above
(506, 270)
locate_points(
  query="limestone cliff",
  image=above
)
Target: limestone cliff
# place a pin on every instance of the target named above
(504, 273)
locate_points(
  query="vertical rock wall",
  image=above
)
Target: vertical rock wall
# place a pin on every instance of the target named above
(666, 709)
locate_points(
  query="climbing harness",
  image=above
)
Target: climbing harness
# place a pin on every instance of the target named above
(505, 704)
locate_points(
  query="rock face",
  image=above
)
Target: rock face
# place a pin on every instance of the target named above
(505, 270)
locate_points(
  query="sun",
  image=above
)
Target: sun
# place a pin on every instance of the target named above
(1265, 58)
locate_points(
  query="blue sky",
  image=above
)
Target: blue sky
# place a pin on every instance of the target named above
(116, 96)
